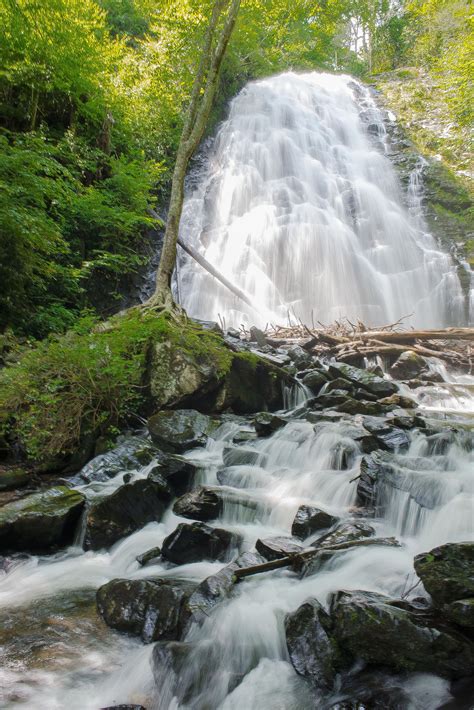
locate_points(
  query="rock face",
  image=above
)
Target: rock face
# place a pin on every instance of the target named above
(149, 608)
(388, 632)
(447, 572)
(309, 520)
(128, 509)
(42, 520)
(179, 430)
(197, 541)
(312, 650)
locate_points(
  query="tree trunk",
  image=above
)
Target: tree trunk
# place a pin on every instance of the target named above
(202, 96)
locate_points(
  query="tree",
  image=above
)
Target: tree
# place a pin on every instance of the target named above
(222, 22)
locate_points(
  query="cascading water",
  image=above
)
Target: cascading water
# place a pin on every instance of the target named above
(313, 166)
(302, 211)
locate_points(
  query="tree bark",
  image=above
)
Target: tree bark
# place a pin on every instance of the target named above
(197, 115)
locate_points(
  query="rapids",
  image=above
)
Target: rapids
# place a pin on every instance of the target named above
(300, 208)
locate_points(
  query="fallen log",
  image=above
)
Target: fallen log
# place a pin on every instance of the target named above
(300, 557)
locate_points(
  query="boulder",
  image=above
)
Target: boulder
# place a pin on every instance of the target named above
(149, 556)
(364, 379)
(367, 485)
(461, 612)
(315, 380)
(388, 632)
(274, 548)
(134, 452)
(180, 429)
(300, 356)
(42, 520)
(312, 650)
(447, 572)
(178, 472)
(309, 520)
(266, 423)
(149, 608)
(257, 336)
(193, 542)
(207, 503)
(345, 532)
(123, 512)
(409, 365)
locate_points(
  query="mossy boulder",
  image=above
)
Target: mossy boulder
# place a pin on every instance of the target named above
(149, 608)
(408, 366)
(447, 572)
(41, 521)
(387, 632)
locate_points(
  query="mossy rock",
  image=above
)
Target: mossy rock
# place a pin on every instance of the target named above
(11, 478)
(447, 572)
(41, 521)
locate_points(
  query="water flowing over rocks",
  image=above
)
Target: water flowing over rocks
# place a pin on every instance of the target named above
(309, 520)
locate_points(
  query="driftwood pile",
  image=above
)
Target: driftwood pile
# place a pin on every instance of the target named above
(348, 342)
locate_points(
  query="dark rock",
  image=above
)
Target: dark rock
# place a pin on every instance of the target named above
(461, 612)
(363, 406)
(374, 628)
(300, 357)
(149, 608)
(239, 456)
(447, 572)
(146, 557)
(254, 385)
(340, 383)
(408, 366)
(388, 437)
(331, 400)
(405, 421)
(274, 548)
(315, 380)
(266, 423)
(309, 520)
(178, 472)
(179, 430)
(41, 520)
(183, 670)
(364, 379)
(367, 485)
(123, 512)
(312, 650)
(11, 478)
(192, 542)
(207, 503)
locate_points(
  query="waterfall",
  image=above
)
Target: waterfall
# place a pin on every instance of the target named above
(300, 208)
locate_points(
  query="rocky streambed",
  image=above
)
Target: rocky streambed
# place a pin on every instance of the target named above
(124, 584)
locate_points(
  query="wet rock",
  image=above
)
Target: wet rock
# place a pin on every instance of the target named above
(312, 650)
(149, 556)
(274, 548)
(363, 406)
(41, 520)
(149, 608)
(315, 380)
(447, 572)
(388, 437)
(266, 423)
(364, 379)
(179, 430)
(367, 485)
(331, 400)
(184, 670)
(397, 400)
(178, 472)
(461, 612)
(300, 356)
(132, 453)
(405, 421)
(258, 336)
(309, 567)
(239, 456)
(309, 520)
(340, 383)
(345, 532)
(123, 512)
(207, 503)
(408, 366)
(374, 628)
(215, 589)
(192, 542)
(11, 478)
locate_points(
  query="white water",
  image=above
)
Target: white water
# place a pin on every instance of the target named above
(301, 209)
